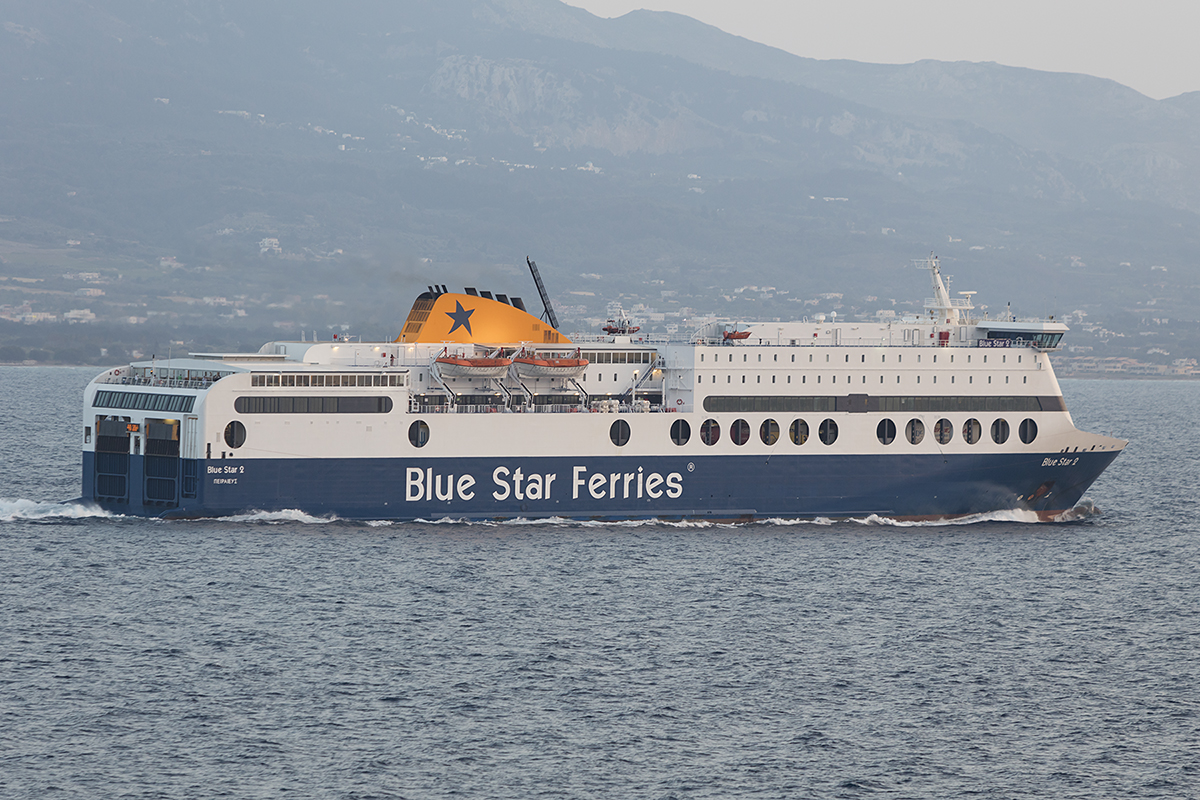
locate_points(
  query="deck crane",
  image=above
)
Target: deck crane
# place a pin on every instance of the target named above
(548, 314)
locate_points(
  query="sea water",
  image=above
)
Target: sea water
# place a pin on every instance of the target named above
(281, 655)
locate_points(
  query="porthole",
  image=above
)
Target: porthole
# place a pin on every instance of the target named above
(798, 431)
(619, 433)
(680, 431)
(418, 434)
(1000, 431)
(972, 430)
(235, 434)
(885, 431)
(739, 432)
(769, 432)
(943, 431)
(914, 431)
(828, 431)
(1027, 431)
(710, 431)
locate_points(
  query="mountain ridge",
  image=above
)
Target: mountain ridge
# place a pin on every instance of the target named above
(470, 133)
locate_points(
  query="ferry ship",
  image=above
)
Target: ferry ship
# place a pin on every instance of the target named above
(480, 410)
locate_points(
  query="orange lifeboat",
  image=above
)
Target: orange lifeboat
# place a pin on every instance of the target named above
(463, 367)
(534, 366)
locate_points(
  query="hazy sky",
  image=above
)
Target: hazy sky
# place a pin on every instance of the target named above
(1150, 45)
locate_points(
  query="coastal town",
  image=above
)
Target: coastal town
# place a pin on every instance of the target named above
(42, 318)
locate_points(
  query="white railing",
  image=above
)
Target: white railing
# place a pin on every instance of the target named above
(163, 383)
(933, 302)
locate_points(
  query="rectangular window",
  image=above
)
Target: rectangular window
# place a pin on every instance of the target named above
(768, 404)
(312, 405)
(144, 401)
(892, 404)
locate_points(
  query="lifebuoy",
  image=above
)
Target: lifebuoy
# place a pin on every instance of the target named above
(679, 401)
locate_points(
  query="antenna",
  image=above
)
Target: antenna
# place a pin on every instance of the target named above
(549, 315)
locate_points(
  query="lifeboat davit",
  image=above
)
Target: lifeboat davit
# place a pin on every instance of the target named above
(533, 366)
(463, 367)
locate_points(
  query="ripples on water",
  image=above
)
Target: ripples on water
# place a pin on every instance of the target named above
(282, 654)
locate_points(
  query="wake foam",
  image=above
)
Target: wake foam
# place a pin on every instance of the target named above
(1083, 509)
(12, 510)
(565, 522)
(1018, 515)
(279, 517)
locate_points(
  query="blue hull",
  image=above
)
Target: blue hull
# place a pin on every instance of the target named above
(606, 488)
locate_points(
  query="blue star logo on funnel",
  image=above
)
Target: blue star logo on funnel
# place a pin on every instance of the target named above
(461, 317)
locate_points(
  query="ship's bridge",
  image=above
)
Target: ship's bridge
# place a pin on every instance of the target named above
(1040, 334)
